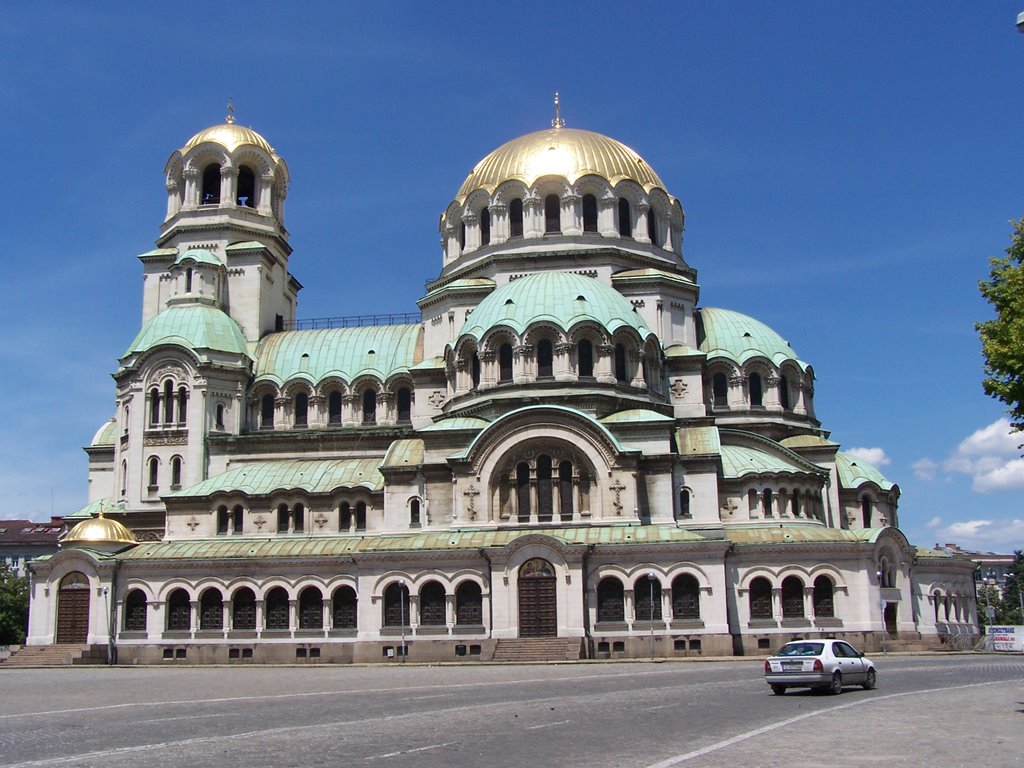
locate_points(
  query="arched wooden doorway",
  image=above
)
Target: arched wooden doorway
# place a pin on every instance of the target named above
(538, 611)
(73, 609)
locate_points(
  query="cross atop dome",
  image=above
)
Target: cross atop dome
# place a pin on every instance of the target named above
(558, 122)
(231, 111)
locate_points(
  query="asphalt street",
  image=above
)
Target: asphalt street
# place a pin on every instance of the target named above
(949, 710)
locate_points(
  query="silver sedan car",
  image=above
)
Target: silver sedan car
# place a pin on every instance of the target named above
(822, 664)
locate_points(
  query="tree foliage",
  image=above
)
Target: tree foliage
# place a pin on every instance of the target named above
(1009, 609)
(1002, 338)
(13, 606)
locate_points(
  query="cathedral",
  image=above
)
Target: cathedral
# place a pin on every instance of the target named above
(560, 455)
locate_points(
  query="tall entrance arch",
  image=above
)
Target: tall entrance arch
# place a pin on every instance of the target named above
(538, 608)
(73, 609)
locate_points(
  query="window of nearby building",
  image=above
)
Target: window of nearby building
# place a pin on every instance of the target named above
(625, 218)
(432, 604)
(652, 226)
(404, 405)
(462, 236)
(647, 599)
(474, 370)
(545, 498)
(784, 393)
(469, 604)
(237, 514)
(760, 598)
(223, 520)
(298, 518)
(168, 399)
(369, 406)
(865, 510)
(824, 601)
(585, 354)
(414, 513)
(246, 187)
(485, 227)
(344, 604)
(515, 218)
(154, 406)
(267, 412)
(544, 359)
(685, 597)
(135, 611)
(360, 515)
(610, 600)
(301, 409)
(179, 611)
(505, 363)
(175, 472)
(589, 213)
(565, 490)
(188, 280)
(720, 390)
(523, 491)
(684, 503)
(311, 608)
(182, 401)
(756, 391)
(243, 609)
(154, 472)
(767, 498)
(792, 597)
(620, 364)
(282, 518)
(219, 419)
(334, 407)
(396, 605)
(552, 215)
(345, 512)
(211, 609)
(211, 185)
(276, 606)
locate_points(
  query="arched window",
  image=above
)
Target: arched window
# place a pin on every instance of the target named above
(243, 609)
(282, 518)
(135, 611)
(223, 520)
(625, 218)
(544, 359)
(414, 513)
(474, 370)
(652, 226)
(756, 392)
(346, 517)
(865, 510)
(236, 523)
(565, 490)
(720, 390)
(188, 280)
(124, 477)
(175, 472)
(360, 515)
(469, 605)
(154, 406)
(396, 605)
(515, 218)
(647, 599)
(610, 602)
(301, 409)
(276, 607)
(179, 611)
(211, 609)
(685, 597)
(267, 412)
(154, 470)
(344, 608)
(369, 406)
(585, 355)
(298, 518)
(545, 502)
(246, 187)
(182, 400)
(784, 393)
(684, 504)
(523, 491)
(824, 601)
(589, 213)
(485, 227)
(219, 418)
(462, 236)
(432, 603)
(760, 598)
(792, 597)
(311, 608)
(168, 399)
(211, 185)
(505, 363)
(404, 405)
(552, 215)
(620, 364)
(334, 407)
(767, 497)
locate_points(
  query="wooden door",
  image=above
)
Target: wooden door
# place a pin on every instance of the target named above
(73, 611)
(538, 610)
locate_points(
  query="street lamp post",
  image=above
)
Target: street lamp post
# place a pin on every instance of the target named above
(650, 581)
(881, 605)
(401, 608)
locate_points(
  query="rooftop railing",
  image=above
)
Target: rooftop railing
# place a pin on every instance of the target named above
(353, 321)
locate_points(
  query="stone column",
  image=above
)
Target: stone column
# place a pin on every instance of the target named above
(264, 193)
(191, 201)
(604, 366)
(571, 215)
(499, 222)
(640, 230)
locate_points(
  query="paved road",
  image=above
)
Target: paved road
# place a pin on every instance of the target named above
(949, 710)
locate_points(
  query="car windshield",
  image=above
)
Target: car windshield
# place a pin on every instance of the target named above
(801, 649)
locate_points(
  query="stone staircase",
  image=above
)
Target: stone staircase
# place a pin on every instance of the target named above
(538, 649)
(55, 656)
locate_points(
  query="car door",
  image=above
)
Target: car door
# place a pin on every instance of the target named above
(850, 662)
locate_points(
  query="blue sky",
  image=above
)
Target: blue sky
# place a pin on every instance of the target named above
(846, 169)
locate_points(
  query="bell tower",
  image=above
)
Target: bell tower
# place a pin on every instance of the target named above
(226, 190)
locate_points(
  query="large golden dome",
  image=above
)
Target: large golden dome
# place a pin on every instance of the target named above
(99, 530)
(566, 152)
(229, 135)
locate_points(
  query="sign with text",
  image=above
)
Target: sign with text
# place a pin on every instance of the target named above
(1007, 638)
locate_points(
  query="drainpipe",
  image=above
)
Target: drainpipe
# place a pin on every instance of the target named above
(586, 607)
(111, 616)
(490, 590)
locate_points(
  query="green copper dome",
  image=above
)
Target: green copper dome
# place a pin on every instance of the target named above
(724, 333)
(854, 472)
(197, 327)
(560, 298)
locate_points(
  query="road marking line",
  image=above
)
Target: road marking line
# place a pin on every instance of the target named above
(408, 751)
(547, 725)
(790, 721)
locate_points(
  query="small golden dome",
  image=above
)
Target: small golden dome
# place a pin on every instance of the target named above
(229, 135)
(567, 152)
(99, 530)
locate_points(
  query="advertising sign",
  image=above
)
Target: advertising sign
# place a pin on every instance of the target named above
(1007, 638)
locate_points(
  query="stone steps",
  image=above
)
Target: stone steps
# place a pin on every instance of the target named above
(537, 649)
(55, 656)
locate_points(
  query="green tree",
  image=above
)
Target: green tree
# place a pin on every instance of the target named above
(1002, 338)
(13, 606)
(1010, 606)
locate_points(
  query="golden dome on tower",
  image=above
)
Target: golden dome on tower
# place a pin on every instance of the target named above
(570, 153)
(99, 530)
(229, 135)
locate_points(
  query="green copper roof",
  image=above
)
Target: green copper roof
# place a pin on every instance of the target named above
(106, 434)
(538, 413)
(374, 350)
(197, 327)
(638, 275)
(740, 460)
(854, 472)
(264, 478)
(698, 441)
(199, 256)
(797, 533)
(456, 423)
(807, 441)
(95, 508)
(737, 337)
(560, 298)
(464, 285)
(403, 454)
(253, 548)
(635, 416)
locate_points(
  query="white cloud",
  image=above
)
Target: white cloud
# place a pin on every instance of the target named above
(873, 456)
(991, 457)
(985, 535)
(935, 522)
(924, 469)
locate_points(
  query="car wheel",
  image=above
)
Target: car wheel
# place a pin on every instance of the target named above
(870, 680)
(836, 686)
(778, 690)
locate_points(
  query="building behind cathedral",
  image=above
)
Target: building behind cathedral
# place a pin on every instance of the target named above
(560, 454)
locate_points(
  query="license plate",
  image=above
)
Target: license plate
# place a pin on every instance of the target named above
(792, 666)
